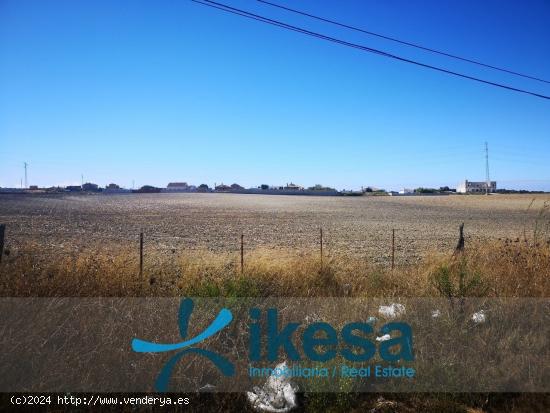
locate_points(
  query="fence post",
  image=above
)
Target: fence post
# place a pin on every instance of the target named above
(460, 244)
(392, 249)
(242, 253)
(321, 243)
(141, 254)
(2, 232)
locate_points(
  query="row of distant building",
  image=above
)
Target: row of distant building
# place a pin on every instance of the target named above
(178, 187)
(464, 187)
(174, 187)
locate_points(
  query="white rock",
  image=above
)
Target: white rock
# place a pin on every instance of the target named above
(383, 338)
(479, 317)
(436, 313)
(346, 288)
(276, 395)
(392, 311)
(312, 318)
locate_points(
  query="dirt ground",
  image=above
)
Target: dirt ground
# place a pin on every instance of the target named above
(356, 225)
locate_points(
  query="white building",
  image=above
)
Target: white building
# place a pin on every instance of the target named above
(406, 191)
(469, 187)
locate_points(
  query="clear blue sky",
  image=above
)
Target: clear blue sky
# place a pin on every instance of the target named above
(173, 91)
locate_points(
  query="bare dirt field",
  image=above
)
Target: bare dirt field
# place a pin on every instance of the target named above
(360, 226)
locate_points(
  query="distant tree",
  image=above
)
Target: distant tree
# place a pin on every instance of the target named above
(319, 187)
(149, 189)
(425, 190)
(264, 187)
(203, 186)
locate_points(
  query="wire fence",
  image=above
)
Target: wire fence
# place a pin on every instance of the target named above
(391, 246)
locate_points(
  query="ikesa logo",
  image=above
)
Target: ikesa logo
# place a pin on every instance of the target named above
(322, 342)
(319, 342)
(186, 347)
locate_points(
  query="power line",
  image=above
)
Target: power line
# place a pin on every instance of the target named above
(249, 15)
(416, 45)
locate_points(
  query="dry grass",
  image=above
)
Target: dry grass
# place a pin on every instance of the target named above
(501, 268)
(523, 270)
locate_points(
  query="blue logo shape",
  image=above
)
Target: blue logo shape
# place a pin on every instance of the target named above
(223, 318)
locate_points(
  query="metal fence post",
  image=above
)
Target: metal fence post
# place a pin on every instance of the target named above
(141, 254)
(242, 253)
(2, 233)
(392, 249)
(321, 244)
(460, 244)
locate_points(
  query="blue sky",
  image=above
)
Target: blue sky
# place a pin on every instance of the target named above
(173, 91)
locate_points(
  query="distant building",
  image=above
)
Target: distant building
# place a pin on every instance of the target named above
(73, 188)
(406, 191)
(33, 187)
(319, 187)
(178, 187)
(115, 189)
(470, 187)
(11, 190)
(54, 189)
(222, 188)
(88, 186)
(293, 187)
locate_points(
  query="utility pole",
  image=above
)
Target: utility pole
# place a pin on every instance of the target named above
(25, 164)
(487, 179)
(82, 179)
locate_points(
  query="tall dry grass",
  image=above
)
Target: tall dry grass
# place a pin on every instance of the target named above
(506, 268)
